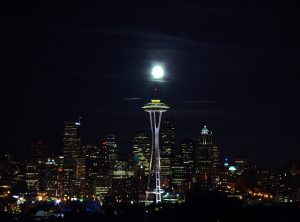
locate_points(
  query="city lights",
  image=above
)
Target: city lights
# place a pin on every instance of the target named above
(150, 111)
(154, 175)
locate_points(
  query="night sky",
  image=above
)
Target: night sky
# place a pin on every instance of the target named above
(231, 67)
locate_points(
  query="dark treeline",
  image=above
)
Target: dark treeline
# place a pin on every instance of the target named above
(199, 206)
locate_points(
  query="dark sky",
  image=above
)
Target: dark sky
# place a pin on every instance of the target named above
(231, 67)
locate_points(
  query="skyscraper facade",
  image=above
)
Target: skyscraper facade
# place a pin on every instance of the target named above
(167, 150)
(39, 151)
(187, 150)
(72, 151)
(104, 158)
(113, 151)
(102, 185)
(92, 155)
(141, 151)
(71, 140)
(179, 173)
(51, 176)
(60, 177)
(78, 185)
(39, 154)
(32, 177)
(207, 160)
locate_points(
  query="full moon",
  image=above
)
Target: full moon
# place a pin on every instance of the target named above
(157, 72)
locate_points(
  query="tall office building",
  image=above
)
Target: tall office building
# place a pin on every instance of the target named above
(187, 150)
(39, 154)
(102, 186)
(140, 185)
(32, 177)
(207, 160)
(78, 184)
(118, 181)
(92, 154)
(167, 150)
(71, 140)
(113, 152)
(178, 176)
(39, 151)
(71, 151)
(104, 159)
(109, 154)
(141, 151)
(19, 177)
(60, 175)
(51, 176)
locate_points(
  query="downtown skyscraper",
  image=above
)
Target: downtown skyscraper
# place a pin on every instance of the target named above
(39, 151)
(187, 151)
(142, 151)
(105, 162)
(71, 140)
(92, 160)
(207, 160)
(73, 162)
(113, 151)
(167, 150)
(39, 154)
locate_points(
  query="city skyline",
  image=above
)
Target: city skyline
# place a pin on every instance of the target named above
(125, 153)
(125, 142)
(99, 174)
(218, 82)
(232, 68)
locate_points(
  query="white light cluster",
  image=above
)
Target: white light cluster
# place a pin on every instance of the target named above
(157, 72)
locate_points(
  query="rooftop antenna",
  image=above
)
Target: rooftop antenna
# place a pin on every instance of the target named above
(78, 123)
(155, 93)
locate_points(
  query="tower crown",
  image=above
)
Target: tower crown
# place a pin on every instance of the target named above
(205, 131)
(155, 105)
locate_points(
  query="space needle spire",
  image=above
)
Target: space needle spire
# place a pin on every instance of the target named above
(155, 108)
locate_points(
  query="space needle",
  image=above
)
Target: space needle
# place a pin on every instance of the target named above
(155, 108)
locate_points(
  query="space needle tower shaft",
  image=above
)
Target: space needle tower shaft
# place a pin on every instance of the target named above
(155, 108)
